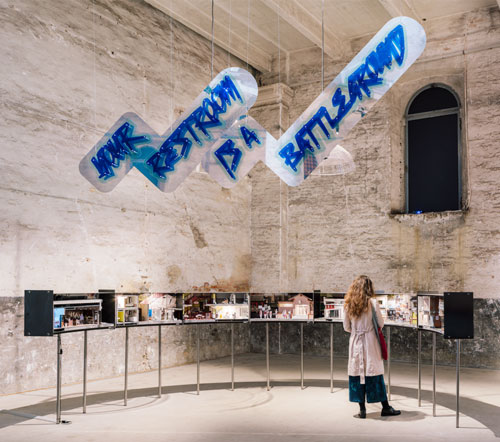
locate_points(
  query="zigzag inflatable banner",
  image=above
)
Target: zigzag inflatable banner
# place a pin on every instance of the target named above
(217, 132)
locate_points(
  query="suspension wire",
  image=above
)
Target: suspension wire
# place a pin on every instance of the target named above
(248, 28)
(229, 36)
(465, 203)
(282, 217)
(172, 78)
(94, 63)
(212, 58)
(322, 45)
(279, 69)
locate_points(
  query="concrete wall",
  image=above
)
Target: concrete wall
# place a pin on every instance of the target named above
(69, 70)
(337, 227)
(323, 233)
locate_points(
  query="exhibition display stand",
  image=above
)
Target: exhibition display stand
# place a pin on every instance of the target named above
(44, 317)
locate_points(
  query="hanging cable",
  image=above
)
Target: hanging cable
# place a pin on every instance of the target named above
(281, 183)
(229, 36)
(322, 45)
(465, 203)
(279, 70)
(172, 80)
(212, 58)
(94, 58)
(248, 28)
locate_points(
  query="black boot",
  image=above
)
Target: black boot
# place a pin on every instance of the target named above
(362, 410)
(387, 410)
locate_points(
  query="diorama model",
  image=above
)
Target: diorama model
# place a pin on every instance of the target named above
(334, 308)
(263, 306)
(430, 310)
(159, 307)
(197, 306)
(70, 313)
(297, 307)
(127, 308)
(398, 308)
(230, 306)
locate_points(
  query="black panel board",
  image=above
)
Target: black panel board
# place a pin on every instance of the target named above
(38, 313)
(458, 315)
(108, 306)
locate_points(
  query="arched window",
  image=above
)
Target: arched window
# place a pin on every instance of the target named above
(433, 166)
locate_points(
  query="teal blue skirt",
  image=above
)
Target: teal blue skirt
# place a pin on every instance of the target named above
(373, 389)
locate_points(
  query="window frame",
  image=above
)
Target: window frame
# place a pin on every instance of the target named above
(430, 114)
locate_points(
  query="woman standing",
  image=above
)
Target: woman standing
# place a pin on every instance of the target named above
(366, 367)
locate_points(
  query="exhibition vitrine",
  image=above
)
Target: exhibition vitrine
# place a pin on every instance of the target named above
(47, 314)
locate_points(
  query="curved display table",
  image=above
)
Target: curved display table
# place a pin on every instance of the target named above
(388, 326)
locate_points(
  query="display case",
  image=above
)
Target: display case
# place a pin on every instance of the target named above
(196, 306)
(297, 306)
(281, 306)
(127, 308)
(230, 306)
(77, 313)
(46, 313)
(334, 308)
(430, 311)
(263, 305)
(160, 307)
(397, 308)
(329, 306)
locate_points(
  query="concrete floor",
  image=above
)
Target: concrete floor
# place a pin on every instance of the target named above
(251, 413)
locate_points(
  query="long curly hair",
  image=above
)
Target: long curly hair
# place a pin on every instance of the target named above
(358, 296)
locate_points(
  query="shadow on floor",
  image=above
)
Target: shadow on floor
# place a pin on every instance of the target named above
(482, 412)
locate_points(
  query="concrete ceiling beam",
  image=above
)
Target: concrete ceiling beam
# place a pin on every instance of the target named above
(309, 26)
(396, 8)
(200, 22)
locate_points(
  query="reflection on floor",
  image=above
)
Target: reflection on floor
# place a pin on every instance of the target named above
(251, 413)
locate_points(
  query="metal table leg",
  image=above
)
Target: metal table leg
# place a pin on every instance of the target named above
(419, 367)
(267, 357)
(232, 356)
(84, 371)
(389, 362)
(458, 382)
(302, 355)
(197, 358)
(279, 338)
(434, 374)
(58, 388)
(159, 361)
(331, 357)
(126, 368)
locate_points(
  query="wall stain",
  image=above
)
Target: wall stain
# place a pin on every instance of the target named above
(199, 238)
(173, 272)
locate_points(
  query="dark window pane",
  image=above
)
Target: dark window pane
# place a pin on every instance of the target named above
(433, 164)
(434, 98)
